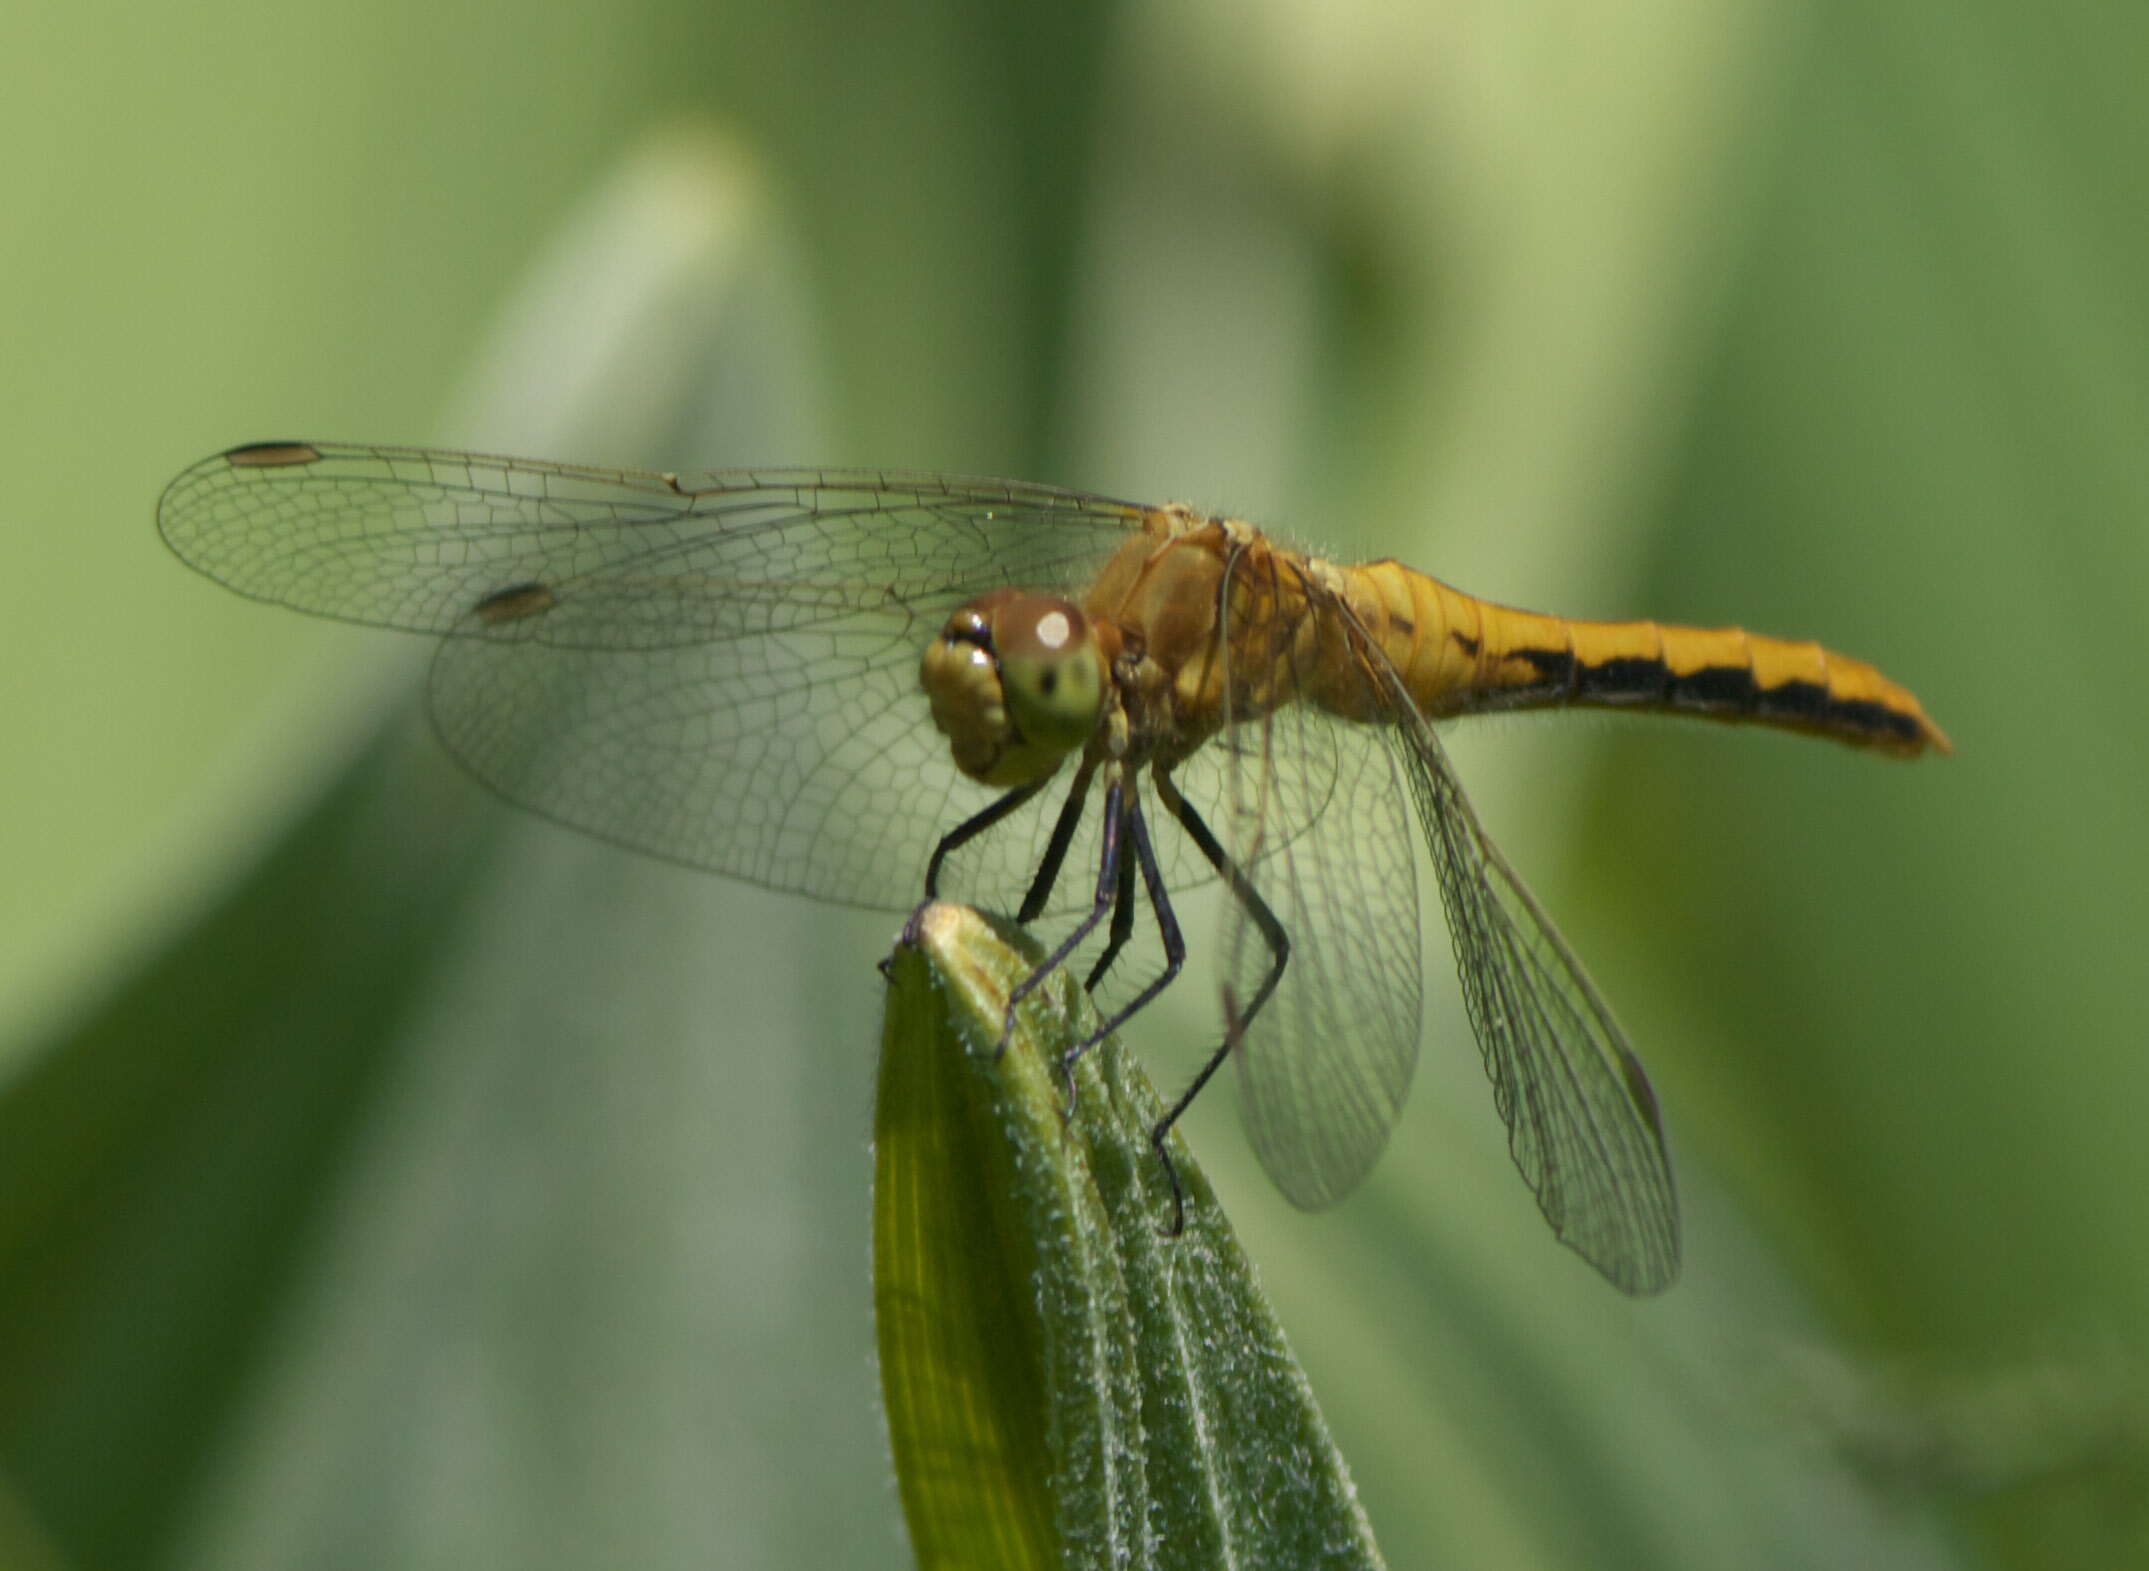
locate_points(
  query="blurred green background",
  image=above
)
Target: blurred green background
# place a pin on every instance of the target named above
(388, 1180)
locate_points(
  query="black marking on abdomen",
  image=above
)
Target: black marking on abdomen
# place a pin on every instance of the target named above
(1625, 679)
(1719, 687)
(1728, 692)
(1464, 642)
(1805, 705)
(1867, 717)
(1555, 667)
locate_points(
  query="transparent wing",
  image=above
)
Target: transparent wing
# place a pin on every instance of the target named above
(1325, 1066)
(1324, 1069)
(1312, 810)
(717, 669)
(1581, 1117)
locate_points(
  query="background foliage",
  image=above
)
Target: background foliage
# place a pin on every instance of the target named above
(385, 1180)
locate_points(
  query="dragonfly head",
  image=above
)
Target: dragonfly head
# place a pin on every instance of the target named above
(1016, 683)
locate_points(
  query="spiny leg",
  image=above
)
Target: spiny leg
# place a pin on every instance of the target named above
(1107, 890)
(969, 829)
(1235, 1022)
(1167, 927)
(973, 826)
(1063, 833)
(1122, 904)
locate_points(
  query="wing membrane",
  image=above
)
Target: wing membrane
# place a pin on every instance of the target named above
(1324, 1068)
(1581, 1118)
(716, 669)
(418, 540)
(1324, 1065)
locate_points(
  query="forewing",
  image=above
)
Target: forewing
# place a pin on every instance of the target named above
(1581, 1118)
(717, 669)
(424, 540)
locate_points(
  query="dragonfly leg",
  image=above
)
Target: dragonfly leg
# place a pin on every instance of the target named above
(1122, 903)
(1107, 897)
(1063, 832)
(973, 826)
(1235, 1021)
(969, 829)
(1167, 926)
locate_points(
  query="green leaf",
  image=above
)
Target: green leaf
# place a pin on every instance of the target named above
(1067, 1381)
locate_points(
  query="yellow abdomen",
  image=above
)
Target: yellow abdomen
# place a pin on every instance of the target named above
(1461, 655)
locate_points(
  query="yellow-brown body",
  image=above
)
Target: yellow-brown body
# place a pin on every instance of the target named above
(1290, 627)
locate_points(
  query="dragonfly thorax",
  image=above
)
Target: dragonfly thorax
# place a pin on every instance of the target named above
(1016, 682)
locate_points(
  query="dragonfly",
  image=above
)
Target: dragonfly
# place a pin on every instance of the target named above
(872, 686)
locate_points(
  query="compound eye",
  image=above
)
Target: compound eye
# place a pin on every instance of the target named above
(1016, 683)
(1050, 670)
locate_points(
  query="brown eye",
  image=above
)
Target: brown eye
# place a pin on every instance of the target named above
(1050, 671)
